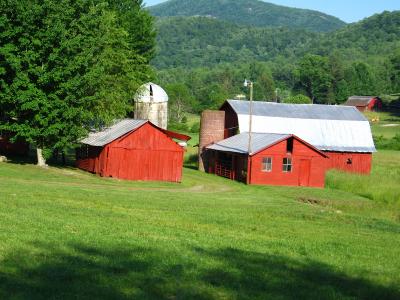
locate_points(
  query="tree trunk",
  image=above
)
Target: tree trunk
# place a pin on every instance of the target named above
(41, 162)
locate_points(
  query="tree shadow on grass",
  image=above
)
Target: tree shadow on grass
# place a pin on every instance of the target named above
(81, 272)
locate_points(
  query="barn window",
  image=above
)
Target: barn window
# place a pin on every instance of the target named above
(287, 164)
(289, 145)
(267, 164)
(349, 161)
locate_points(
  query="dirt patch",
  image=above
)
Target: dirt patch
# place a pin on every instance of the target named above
(311, 201)
(390, 125)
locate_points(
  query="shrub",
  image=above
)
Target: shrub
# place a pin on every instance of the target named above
(387, 144)
(298, 99)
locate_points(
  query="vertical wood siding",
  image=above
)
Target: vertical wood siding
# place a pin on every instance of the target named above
(145, 154)
(360, 162)
(302, 156)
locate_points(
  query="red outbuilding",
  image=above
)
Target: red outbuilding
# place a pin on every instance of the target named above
(365, 103)
(7, 147)
(133, 150)
(274, 159)
(342, 133)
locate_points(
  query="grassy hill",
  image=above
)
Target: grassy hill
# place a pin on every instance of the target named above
(249, 12)
(68, 234)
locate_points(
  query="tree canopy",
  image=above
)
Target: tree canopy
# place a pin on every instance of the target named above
(67, 66)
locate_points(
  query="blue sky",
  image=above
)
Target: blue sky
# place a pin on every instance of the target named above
(347, 10)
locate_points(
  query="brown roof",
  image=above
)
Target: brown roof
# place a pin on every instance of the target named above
(359, 100)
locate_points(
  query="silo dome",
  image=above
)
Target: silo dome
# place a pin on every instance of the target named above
(151, 103)
(151, 92)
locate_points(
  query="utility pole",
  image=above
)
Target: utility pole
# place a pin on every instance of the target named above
(249, 84)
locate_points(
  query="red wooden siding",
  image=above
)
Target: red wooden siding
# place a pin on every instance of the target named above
(350, 162)
(308, 166)
(17, 148)
(374, 104)
(144, 154)
(231, 120)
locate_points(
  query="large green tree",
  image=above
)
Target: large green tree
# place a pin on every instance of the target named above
(68, 65)
(395, 72)
(314, 77)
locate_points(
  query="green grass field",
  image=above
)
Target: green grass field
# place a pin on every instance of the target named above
(388, 125)
(67, 234)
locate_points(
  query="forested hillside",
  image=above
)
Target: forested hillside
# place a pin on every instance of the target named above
(203, 41)
(249, 12)
(202, 61)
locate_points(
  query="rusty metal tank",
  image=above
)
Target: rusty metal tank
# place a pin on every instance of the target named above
(212, 125)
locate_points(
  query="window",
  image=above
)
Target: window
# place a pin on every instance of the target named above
(267, 164)
(349, 161)
(287, 164)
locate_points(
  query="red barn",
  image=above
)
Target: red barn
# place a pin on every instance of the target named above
(365, 103)
(275, 159)
(341, 132)
(19, 147)
(133, 150)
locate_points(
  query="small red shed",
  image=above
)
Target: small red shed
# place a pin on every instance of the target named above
(133, 150)
(19, 147)
(365, 103)
(274, 159)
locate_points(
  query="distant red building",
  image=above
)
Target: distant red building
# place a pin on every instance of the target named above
(133, 150)
(275, 159)
(18, 147)
(365, 103)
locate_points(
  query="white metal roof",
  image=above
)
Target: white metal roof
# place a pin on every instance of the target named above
(151, 92)
(239, 143)
(327, 127)
(109, 134)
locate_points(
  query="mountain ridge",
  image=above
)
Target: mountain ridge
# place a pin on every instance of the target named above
(249, 12)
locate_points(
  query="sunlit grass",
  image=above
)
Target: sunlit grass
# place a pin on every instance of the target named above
(68, 234)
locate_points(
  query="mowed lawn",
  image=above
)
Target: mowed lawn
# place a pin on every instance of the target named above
(67, 234)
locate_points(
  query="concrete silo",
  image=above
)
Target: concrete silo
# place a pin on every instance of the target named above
(151, 103)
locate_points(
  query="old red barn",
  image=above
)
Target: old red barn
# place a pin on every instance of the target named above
(134, 150)
(276, 159)
(341, 132)
(365, 103)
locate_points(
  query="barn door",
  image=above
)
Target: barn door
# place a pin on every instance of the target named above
(304, 172)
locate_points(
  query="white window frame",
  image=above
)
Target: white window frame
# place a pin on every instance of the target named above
(265, 165)
(285, 166)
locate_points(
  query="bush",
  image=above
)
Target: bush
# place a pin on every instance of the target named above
(178, 126)
(195, 127)
(387, 144)
(298, 99)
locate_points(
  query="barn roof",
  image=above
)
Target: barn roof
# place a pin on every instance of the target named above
(239, 143)
(359, 100)
(122, 127)
(298, 111)
(327, 127)
(109, 134)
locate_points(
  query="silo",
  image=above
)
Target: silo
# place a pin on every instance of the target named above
(212, 127)
(151, 103)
